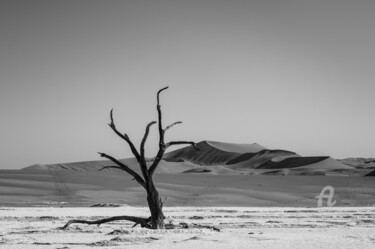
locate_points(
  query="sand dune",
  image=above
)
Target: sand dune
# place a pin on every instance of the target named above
(229, 158)
(368, 163)
(326, 163)
(207, 154)
(210, 176)
(253, 158)
(237, 148)
(256, 160)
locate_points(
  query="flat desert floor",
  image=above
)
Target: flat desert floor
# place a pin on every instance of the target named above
(83, 189)
(242, 227)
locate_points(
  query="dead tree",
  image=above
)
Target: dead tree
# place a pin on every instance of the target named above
(155, 204)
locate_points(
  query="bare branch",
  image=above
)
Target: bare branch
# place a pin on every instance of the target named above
(158, 107)
(161, 151)
(137, 177)
(137, 220)
(145, 138)
(125, 137)
(142, 162)
(157, 160)
(165, 88)
(161, 135)
(182, 142)
(170, 126)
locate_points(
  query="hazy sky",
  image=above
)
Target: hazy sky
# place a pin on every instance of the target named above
(295, 75)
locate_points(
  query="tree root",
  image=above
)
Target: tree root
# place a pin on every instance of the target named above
(137, 220)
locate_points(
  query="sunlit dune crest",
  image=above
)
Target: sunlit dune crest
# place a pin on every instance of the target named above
(237, 148)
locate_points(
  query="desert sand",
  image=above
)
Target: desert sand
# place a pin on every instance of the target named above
(219, 174)
(67, 188)
(239, 228)
(258, 198)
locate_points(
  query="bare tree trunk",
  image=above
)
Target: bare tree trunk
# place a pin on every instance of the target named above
(155, 205)
(156, 221)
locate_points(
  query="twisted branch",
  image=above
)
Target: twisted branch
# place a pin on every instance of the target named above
(161, 151)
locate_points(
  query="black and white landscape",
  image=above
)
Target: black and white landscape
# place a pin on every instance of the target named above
(219, 174)
(264, 139)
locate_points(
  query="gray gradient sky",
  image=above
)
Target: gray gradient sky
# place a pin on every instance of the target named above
(295, 75)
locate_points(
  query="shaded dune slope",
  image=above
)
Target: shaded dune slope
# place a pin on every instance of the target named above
(291, 163)
(216, 153)
(263, 153)
(255, 160)
(239, 157)
(365, 163)
(207, 155)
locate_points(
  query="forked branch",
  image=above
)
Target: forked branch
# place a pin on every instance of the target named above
(125, 137)
(162, 145)
(161, 151)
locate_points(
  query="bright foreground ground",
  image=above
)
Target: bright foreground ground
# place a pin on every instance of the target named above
(347, 227)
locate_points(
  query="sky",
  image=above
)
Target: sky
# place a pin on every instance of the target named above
(294, 75)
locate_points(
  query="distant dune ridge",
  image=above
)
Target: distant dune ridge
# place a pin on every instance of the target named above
(253, 158)
(368, 163)
(219, 174)
(238, 148)
(231, 158)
